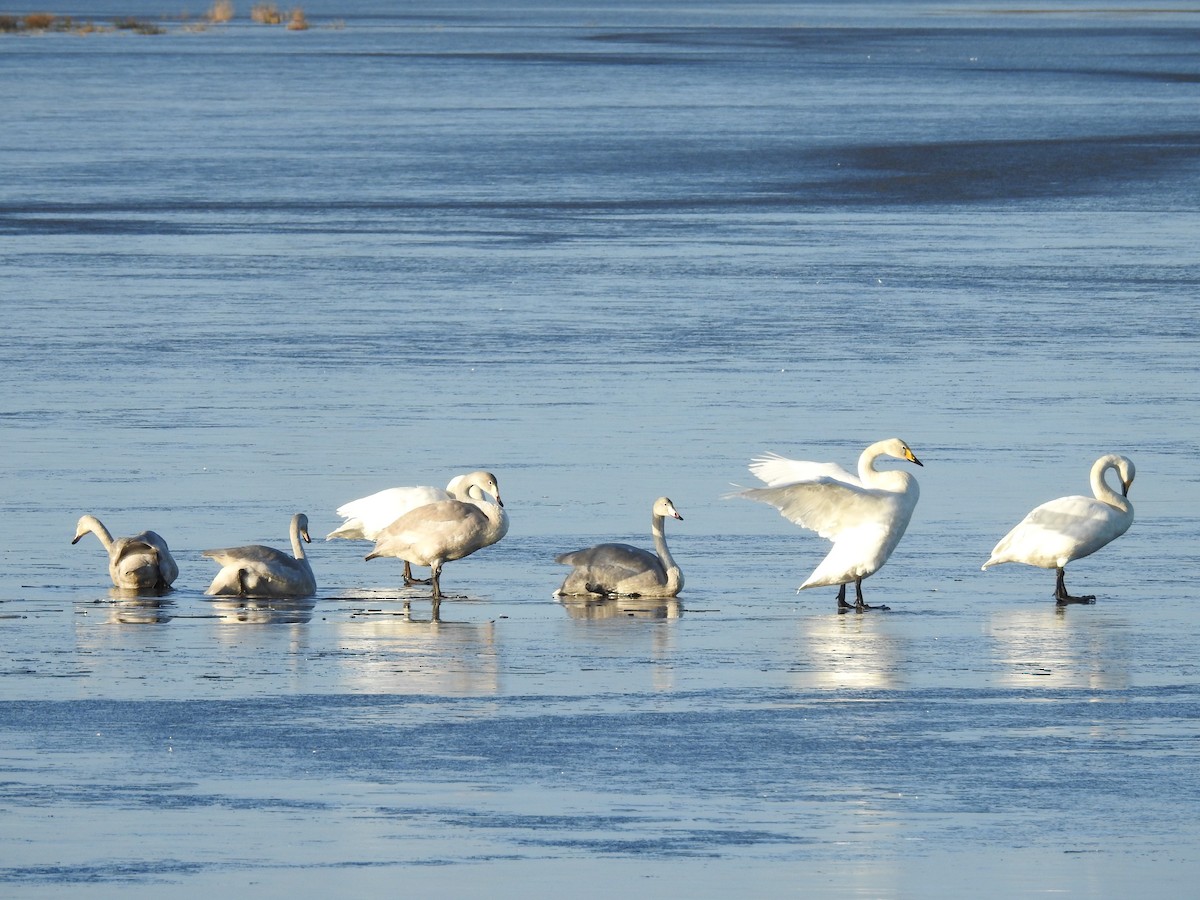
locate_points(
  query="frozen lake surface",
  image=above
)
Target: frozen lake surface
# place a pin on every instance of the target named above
(607, 255)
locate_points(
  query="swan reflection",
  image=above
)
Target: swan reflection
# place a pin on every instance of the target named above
(138, 607)
(651, 645)
(622, 607)
(385, 645)
(1054, 648)
(264, 610)
(839, 651)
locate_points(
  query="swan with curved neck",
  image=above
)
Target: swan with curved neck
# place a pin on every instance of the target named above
(437, 533)
(368, 516)
(864, 516)
(624, 570)
(138, 563)
(260, 571)
(1070, 528)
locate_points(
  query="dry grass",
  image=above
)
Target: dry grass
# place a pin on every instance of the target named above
(266, 14)
(220, 12)
(39, 21)
(139, 26)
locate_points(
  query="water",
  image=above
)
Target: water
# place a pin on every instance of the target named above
(608, 254)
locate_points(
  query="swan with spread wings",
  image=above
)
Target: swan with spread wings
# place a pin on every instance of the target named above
(864, 516)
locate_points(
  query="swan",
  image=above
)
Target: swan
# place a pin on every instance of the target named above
(625, 570)
(1071, 527)
(864, 516)
(367, 516)
(438, 533)
(261, 571)
(141, 562)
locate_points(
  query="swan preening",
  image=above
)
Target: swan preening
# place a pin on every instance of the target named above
(259, 571)
(368, 516)
(624, 570)
(437, 533)
(864, 516)
(139, 563)
(1073, 527)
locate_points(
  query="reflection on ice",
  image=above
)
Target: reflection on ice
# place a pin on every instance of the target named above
(1059, 648)
(626, 643)
(138, 608)
(838, 651)
(384, 648)
(264, 610)
(622, 607)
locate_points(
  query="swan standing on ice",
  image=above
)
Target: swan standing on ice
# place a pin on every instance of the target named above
(139, 563)
(368, 516)
(1071, 527)
(864, 516)
(624, 570)
(261, 571)
(441, 532)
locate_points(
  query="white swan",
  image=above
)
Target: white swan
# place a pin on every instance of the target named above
(624, 570)
(1071, 527)
(438, 533)
(367, 516)
(138, 563)
(864, 516)
(261, 571)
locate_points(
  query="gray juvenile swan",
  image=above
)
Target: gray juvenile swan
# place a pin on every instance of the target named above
(625, 570)
(366, 517)
(139, 563)
(1071, 527)
(438, 533)
(261, 571)
(864, 516)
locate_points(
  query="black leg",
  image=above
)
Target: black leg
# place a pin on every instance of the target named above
(434, 579)
(842, 604)
(859, 604)
(409, 581)
(1063, 598)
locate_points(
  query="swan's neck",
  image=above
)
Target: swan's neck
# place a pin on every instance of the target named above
(96, 527)
(867, 472)
(664, 554)
(297, 543)
(1101, 489)
(894, 480)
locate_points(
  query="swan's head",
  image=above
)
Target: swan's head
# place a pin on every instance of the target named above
(301, 521)
(1125, 471)
(897, 448)
(664, 507)
(82, 527)
(477, 483)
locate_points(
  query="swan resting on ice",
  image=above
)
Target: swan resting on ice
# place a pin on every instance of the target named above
(865, 515)
(1071, 527)
(366, 517)
(437, 533)
(139, 563)
(624, 570)
(259, 571)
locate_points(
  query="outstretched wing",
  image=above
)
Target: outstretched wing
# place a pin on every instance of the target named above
(827, 506)
(775, 470)
(367, 516)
